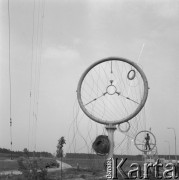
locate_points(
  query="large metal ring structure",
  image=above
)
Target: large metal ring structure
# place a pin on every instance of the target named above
(126, 117)
(140, 144)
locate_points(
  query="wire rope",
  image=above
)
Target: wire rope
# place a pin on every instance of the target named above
(31, 74)
(10, 79)
(35, 66)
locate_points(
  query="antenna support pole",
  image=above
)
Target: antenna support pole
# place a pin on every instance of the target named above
(110, 129)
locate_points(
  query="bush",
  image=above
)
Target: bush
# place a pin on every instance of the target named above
(32, 169)
(49, 163)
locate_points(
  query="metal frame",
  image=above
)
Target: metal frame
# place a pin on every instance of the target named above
(124, 131)
(118, 121)
(140, 148)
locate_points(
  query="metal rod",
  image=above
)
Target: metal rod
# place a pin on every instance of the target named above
(175, 144)
(168, 149)
(140, 53)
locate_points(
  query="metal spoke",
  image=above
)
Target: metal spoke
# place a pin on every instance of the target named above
(127, 97)
(96, 98)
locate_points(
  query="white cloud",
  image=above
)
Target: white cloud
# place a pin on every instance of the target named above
(168, 9)
(63, 54)
(76, 41)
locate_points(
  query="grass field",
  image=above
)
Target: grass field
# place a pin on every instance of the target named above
(68, 174)
(97, 164)
(86, 172)
(6, 165)
(81, 169)
(7, 156)
(91, 164)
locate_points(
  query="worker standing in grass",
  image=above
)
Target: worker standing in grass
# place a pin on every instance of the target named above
(147, 139)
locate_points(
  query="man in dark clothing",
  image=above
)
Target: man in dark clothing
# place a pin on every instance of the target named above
(147, 139)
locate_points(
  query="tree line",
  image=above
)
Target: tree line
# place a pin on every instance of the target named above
(21, 153)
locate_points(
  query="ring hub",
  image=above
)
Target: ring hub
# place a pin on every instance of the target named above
(111, 89)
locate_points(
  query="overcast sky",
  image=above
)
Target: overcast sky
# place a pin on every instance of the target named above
(65, 37)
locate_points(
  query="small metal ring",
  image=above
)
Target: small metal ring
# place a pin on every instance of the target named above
(134, 74)
(124, 131)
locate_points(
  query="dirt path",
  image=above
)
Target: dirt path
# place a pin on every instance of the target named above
(64, 166)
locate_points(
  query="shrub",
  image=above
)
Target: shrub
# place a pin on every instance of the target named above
(49, 163)
(32, 169)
